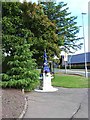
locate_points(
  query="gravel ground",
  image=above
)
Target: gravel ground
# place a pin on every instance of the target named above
(13, 102)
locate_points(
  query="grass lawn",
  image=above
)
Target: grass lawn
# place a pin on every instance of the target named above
(70, 81)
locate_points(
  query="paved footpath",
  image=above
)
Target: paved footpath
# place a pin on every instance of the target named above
(64, 103)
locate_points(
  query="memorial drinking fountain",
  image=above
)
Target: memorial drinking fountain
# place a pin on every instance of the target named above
(45, 78)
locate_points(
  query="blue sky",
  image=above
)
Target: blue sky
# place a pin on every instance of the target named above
(76, 7)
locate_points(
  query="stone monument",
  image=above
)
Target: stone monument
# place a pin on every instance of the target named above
(45, 78)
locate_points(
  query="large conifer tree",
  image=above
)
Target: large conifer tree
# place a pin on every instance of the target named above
(16, 43)
(66, 24)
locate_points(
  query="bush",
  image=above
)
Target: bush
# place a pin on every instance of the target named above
(20, 84)
(22, 72)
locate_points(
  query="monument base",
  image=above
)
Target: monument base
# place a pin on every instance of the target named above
(45, 84)
(50, 89)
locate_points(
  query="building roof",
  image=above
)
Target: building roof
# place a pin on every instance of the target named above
(79, 58)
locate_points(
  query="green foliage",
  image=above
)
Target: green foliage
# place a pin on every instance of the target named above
(27, 20)
(66, 24)
(16, 43)
(22, 73)
(43, 29)
(21, 83)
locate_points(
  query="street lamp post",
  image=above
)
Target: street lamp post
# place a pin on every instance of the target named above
(70, 61)
(84, 46)
(65, 61)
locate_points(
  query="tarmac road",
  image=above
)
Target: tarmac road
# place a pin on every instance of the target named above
(63, 103)
(73, 71)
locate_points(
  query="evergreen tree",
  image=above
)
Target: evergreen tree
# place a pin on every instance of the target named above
(16, 43)
(43, 29)
(30, 16)
(66, 24)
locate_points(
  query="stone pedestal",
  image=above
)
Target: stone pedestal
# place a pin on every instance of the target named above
(46, 84)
